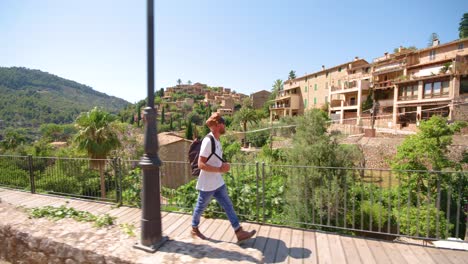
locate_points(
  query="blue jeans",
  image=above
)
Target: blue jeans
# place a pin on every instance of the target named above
(221, 195)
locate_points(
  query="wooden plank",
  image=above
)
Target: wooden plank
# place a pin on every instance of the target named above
(310, 247)
(364, 251)
(128, 215)
(392, 252)
(407, 253)
(336, 248)
(271, 246)
(229, 235)
(455, 256)
(284, 246)
(217, 224)
(19, 199)
(350, 250)
(377, 250)
(323, 247)
(10, 196)
(205, 224)
(437, 255)
(37, 202)
(184, 230)
(262, 237)
(223, 228)
(296, 249)
(422, 254)
(250, 226)
(181, 219)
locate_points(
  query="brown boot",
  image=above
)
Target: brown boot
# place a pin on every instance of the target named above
(196, 233)
(244, 235)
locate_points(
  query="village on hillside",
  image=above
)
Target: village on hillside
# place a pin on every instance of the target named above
(398, 89)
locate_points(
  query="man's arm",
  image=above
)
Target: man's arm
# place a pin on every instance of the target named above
(225, 167)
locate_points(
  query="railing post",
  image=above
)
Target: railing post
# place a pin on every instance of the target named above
(263, 191)
(118, 189)
(31, 174)
(256, 176)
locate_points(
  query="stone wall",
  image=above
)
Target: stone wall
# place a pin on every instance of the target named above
(25, 240)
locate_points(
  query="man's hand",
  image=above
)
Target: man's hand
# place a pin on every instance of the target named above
(225, 167)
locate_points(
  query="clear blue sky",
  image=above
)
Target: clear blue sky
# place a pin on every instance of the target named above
(244, 44)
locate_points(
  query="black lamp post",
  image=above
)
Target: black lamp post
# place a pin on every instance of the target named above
(151, 228)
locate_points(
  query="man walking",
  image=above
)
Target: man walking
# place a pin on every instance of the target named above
(210, 182)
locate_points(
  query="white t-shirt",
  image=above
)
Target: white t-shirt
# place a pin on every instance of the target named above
(210, 181)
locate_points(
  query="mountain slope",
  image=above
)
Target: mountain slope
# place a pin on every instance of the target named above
(29, 98)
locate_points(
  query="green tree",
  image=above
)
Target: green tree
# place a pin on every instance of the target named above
(189, 82)
(163, 118)
(428, 149)
(243, 116)
(55, 132)
(189, 131)
(425, 151)
(463, 28)
(171, 127)
(179, 81)
(97, 137)
(292, 75)
(313, 147)
(13, 138)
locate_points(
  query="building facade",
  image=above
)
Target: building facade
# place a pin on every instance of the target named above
(259, 98)
(398, 90)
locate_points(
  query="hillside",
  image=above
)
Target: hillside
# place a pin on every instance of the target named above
(29, 98)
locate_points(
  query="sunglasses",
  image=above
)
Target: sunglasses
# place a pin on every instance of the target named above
(221, 121)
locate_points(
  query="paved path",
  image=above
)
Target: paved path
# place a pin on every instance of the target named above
(277, 244)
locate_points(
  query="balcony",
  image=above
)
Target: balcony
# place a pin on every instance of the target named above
(383, 85)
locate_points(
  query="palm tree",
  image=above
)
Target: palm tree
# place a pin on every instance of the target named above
(276, 88)
(179, 81)
(246, 115)
(97, 137)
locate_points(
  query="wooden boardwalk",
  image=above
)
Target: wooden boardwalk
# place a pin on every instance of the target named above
(278, 244)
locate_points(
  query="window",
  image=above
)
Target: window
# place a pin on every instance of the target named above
(436, 89)
(409, 92)
(427, 89)
(315, 87)
(339, 83)
(445, 88)
(326, 99)
(305, 89)
(464, 85)
(339, 69)
(305, 103)
(432, 55)
(352, 101)
(460, 46)
(315, 100)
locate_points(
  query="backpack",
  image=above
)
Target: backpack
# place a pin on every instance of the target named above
(194, 152)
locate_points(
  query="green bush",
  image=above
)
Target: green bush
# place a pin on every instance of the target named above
(413, 221)
(131, 188)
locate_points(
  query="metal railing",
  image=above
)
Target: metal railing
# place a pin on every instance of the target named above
(385, 203)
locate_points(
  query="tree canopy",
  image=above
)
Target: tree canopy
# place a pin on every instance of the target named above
(463, 27)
